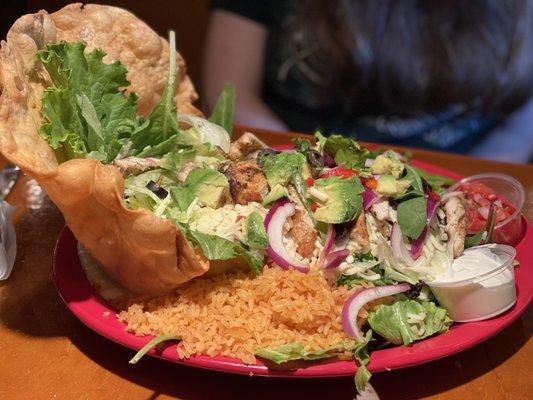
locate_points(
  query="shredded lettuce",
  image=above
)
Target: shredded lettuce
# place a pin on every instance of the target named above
(406, 320)
(137, 195)
(152, 343)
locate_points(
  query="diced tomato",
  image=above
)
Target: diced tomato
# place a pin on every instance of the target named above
(370, 183)
(480, 198)
(239, 217)
(310, 181)
(339, 171)
(314, 206)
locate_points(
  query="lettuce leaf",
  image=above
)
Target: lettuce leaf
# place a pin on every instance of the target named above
(345, 151)
(256, 236)
(295, 351)
(394, 322)
(218, 248)
(86, 114)
(412, 216)
(362, 356)
(223, 111)
(436, 181)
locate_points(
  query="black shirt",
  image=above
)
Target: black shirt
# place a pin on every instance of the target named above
(291, 88)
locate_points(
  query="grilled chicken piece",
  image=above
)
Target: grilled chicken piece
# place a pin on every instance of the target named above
(359, 233)
(246, 182)
(135, 165)
(184, 171)
(303, 230)
(455, 224)
(380, 210)
(245, 146)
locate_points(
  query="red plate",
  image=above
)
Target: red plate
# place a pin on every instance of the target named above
(80, 298)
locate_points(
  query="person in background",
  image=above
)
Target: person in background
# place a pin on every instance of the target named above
(443, 75)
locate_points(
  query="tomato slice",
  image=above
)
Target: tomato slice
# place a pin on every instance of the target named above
(339, 171)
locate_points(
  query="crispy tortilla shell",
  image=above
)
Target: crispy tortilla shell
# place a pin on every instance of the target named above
(145, 253)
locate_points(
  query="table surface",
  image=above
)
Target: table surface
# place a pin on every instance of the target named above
(46, 353)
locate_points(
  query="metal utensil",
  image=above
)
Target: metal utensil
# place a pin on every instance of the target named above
(8, 178)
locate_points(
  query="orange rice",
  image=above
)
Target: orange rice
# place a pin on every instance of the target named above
(235, 314)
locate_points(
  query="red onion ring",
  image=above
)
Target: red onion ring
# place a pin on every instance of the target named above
(418, 245)
(398, 245)
(335, 258)
(328, 244)
(357, 300)
(274, 222)
(369, 197)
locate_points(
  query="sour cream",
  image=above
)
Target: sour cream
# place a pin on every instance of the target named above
(479, 284)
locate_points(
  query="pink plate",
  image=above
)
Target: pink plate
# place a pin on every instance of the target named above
(80, 298)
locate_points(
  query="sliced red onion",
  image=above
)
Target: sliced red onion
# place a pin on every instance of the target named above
(431, 208)
(369, 197)
(274, 222)
(418, 245)
(447, 196)
(328, 244)
(335, 258)
(329, 161)
(369, 162)
(357, 300)
(398, 245)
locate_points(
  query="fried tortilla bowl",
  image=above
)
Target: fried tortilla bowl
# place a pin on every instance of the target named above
(146, 254)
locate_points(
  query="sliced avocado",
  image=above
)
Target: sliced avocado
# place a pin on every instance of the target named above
(276, 193)
(208, 185)
(341, 202)
(385, 164)
(388, 185)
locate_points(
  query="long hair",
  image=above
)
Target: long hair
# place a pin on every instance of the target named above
(413, 55)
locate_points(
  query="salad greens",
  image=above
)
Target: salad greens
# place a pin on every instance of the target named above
(345, 151)
(406, 320)
(362, 356)
(254, 227)
(295, 351)
(158, 135)
(88, 115)
(209, 185)
(412, 216)
(152, 343)
(223, 111)
(85, 113)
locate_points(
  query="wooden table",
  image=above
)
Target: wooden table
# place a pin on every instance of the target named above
(46, 353)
